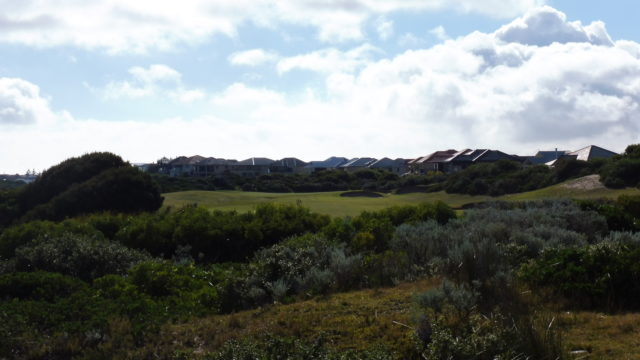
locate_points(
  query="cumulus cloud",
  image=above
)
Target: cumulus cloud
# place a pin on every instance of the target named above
(156, 80)
(21, 103)
(252, 57)
(480, 90)
(124, 26)
(329, 60)
(546, 25)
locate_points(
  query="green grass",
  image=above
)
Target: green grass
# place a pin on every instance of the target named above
(325, 203)
(332, 203)
(558, 191)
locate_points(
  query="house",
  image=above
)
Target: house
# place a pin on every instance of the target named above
(254, 166)
(214, 167)
(287, 165)
(465, 158)
(184, 166)
(432, 162)
(585, 154)
(543, 157)
(397, 166)
(331, 163)
(357, 164)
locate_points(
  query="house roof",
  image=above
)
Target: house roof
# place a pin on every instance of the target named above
(183, 160)
(332, 162)
(256, 161)
(359, 162)
(289, 162)
(592, 152)
(215, 161)
(437, 156)
(386, 162)
(476, 155)
(542, 157)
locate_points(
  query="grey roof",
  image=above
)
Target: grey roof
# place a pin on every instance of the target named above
(215, 161)
(332, 162)
(437, 156)
(256, 161)
(481, 155)
(542, 157)
(183, 160)
(592, 152)
(386, 162)
(359, 162)
(289, 162)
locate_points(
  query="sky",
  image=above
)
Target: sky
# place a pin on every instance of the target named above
(235, 79)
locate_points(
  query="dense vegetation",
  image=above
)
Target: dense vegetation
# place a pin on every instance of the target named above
(71, 282)
(507, 177)
(366, 179)
(91, 183)
(118, 284)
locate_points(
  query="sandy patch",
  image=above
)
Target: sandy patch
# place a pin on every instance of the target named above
(590, 182)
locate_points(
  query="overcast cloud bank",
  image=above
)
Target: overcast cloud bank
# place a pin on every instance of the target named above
(538, 82)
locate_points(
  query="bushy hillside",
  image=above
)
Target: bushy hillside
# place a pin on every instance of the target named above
(90, 183)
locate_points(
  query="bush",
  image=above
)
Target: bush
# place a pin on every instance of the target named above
(622, 170)
(61, 177)
(39, 286)
(75, 255)
(498, 178)
(23, 234)
(124, 189)
(601, 276)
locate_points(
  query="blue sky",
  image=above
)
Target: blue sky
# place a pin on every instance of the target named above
(312, 79)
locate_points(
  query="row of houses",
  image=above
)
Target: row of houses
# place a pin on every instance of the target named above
(201, 166)
(446, 161)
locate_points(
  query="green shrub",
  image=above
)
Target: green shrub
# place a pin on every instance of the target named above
(23, 234)
(123, 189)
(603, 276)
(39, 286)
(79, 256)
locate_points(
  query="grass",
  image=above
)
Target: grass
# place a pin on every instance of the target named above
(347, 321)
(603, 336)
(559, 191)
(332, 203)
(325, 202)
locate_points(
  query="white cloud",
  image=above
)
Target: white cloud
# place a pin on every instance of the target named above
(440, 33)
(156, 80)
(125, 26)
(545, 25)
(329, 60)
(252, 57)
(474, 91)
(22, 104)
(409, 40)
(384, 28)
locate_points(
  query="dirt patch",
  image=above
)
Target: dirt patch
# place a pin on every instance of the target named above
(369, 194)
(590, 182)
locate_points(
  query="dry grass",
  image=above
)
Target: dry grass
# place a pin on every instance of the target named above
(353, 320)
(604, 336)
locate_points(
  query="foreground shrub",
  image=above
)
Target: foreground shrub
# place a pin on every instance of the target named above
(602, 276)
(293, 349)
